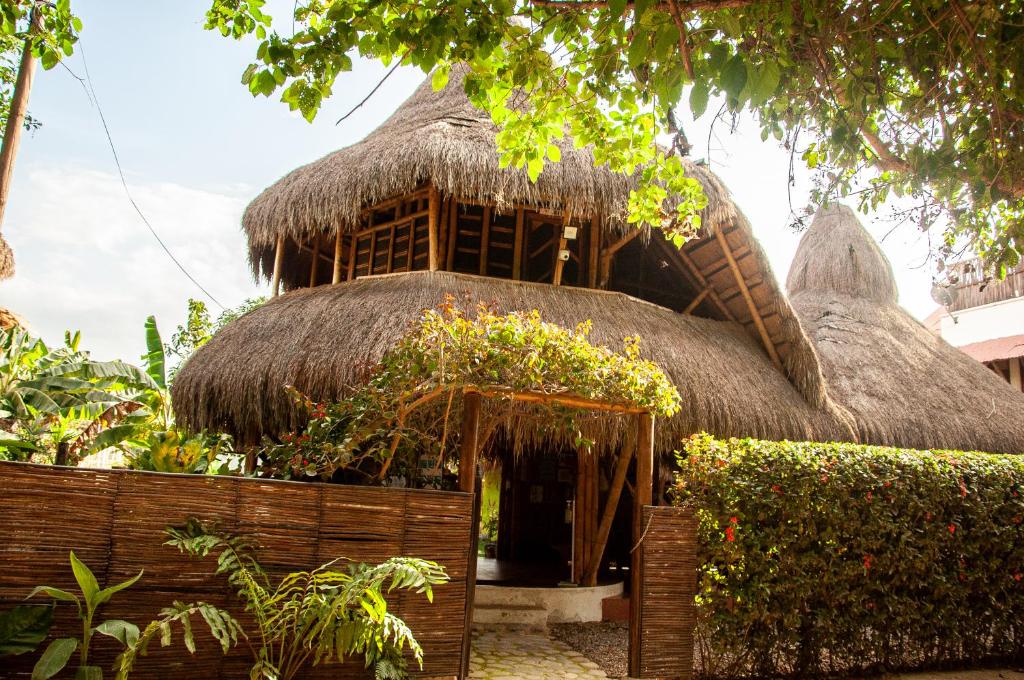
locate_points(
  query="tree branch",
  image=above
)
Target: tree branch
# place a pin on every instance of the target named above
(692, 6)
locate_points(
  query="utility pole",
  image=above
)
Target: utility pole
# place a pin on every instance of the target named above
(16, 116)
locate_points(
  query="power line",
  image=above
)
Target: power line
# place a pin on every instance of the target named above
(124, 183)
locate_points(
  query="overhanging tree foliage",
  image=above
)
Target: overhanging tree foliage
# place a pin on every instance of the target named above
(915, 98)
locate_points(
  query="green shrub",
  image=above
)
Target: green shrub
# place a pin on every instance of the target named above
(833, 558)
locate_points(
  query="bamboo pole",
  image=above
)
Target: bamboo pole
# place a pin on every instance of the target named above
(433, 209)
(275, 285)
(336, 274)
(579, 517)
(352, 258)
(453, 235)
(470, 440)
(641, 497)
(485, 239)
(316, 262)
(605, 527)
(696, 301)
(751, 306)
(16, 113)
(517, 246)
(593, 258)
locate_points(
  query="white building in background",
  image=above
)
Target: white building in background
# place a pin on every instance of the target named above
(984, 318)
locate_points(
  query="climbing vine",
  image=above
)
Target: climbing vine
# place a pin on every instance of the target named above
(412, 400)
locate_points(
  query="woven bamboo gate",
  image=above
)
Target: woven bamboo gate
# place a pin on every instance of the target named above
(114, 521)
(665, 614)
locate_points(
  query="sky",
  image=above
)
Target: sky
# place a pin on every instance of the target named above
(196, 147)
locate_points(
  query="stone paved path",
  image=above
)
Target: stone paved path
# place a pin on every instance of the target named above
(502, 654)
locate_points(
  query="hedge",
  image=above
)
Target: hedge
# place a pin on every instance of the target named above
(840, 558)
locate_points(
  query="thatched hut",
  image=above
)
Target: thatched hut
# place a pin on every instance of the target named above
(367, 237)
(902, 384)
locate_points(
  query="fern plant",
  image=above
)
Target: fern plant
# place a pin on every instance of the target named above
(309, 617)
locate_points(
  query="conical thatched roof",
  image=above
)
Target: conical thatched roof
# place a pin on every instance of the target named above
(9, 320)
(319, 340)
(6, 259)
(903, 385)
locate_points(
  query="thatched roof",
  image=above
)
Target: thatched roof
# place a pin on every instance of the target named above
(320, 340)
(441, 138)
(903, 385)
(6, 259)
(9, 320)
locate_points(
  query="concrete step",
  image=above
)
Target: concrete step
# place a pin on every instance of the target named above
(510, 614)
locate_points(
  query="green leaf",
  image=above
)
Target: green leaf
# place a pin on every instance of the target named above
(554, 153)
(155, 359)
(88, 673)
(55, 593)
(24, 627)
(123, 631)
(439, 79)
(699, 98)
(734, 76)
(54, 658)
(86, 581)
(105, 594)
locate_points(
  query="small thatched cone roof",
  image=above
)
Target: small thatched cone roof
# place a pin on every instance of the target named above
(320, 340)
(6, 259)
(903, 385)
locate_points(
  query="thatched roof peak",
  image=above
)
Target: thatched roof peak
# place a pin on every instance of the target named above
(441, 138)
(6, 259)
(838, 255)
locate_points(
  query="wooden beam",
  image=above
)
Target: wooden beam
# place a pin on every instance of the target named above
(433, 210)
(594, 252)
(1015, 372)
(336, 273)
(692, 271)
(442, 233)
(697, 300)
(579, 515)
(370, 266)
(485, 239)
(316, 262)
(352, 258)
(275, 284)
(642, 496)
(453, 235)
(563, 244)
(517, 246)
(754, 312)
(468, 449)
(610, 251)
(562, 398)
(603, 529)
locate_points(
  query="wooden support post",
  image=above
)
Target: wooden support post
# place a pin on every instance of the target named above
(1015, 373)
(275, 284)
(562, 245)
(352, 258)
(696, 301)
(370, 266)
(641, 497)
(579, 517)
(316, 263)
(434, 209)
(470, 435)
(336, 274)
(603, 529)
(517, 246)
(754, 312)
(442, 233)
(594, 247)
(453, 235)
(16, 113)
(485, 239)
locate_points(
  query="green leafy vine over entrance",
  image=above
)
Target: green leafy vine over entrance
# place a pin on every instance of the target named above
(411, 399)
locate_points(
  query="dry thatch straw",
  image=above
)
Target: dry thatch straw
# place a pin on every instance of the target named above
(903, 385)
(8, 320)
(320, 339)
(6, 259)
(440, 137)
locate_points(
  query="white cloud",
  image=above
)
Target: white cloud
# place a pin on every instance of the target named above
(85, 260)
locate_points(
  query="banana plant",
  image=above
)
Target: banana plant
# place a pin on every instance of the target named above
(60, 651)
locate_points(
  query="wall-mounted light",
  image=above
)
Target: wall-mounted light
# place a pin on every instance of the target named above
(569, 233)
(563, 255)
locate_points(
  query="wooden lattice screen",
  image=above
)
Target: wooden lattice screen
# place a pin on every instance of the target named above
(114, 521)
(668, 583)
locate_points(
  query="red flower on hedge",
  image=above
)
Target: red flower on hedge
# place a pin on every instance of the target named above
(730, 534)
(870, 496)
(734, 520)
(776, 488)
(952, 528)
(1016, 577)
(868, 561)
(928, 516)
